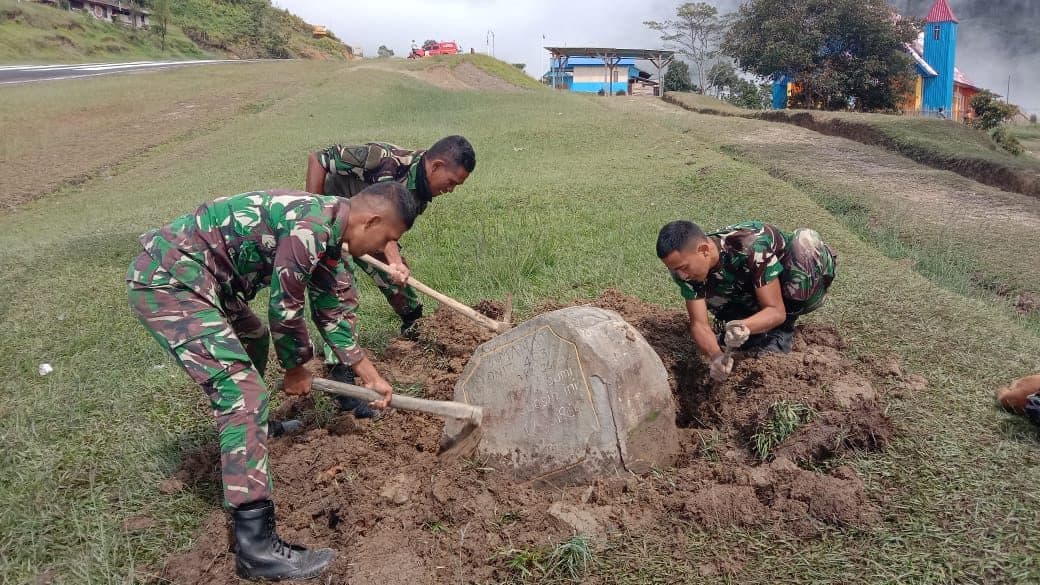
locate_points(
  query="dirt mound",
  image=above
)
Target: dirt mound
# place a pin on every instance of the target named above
(377, 493)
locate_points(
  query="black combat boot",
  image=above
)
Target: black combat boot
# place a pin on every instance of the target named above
(408, 321)
(1032, 410)
(261, 555)
(345, 375)
(278, 428)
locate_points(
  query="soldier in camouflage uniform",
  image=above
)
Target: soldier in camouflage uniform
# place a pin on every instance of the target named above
(755, 279)
(345, 170)
(191, 287)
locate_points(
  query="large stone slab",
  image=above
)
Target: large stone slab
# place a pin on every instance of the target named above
(570, 396)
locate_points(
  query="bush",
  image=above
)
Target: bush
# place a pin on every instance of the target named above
(990, 112)
(1006, 140)
(621, 92)
(1032, 118)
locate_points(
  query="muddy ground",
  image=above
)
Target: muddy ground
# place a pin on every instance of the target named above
(377, 493)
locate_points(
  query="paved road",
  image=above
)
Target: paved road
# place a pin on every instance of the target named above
(14, 74)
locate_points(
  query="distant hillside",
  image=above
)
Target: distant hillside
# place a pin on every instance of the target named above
(252, 29)
(33, 32)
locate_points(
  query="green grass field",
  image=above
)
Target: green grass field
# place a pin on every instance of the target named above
(566, 200)
(940, 144)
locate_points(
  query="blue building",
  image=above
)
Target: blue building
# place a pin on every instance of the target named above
(589, 75)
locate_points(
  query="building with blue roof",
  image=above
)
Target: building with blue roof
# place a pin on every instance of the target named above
(590, 75)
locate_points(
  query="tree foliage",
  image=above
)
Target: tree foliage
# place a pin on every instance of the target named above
(695, 33)
(841, 53)
(429, 44)
(677, 77)
(990, 112)
(161, 20)
(384, 52)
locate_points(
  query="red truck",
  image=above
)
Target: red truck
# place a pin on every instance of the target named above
(442, 48)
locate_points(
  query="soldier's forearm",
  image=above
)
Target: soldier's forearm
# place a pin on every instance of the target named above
(767, 319)
(393, 253)
(315, 175)
(705, 339)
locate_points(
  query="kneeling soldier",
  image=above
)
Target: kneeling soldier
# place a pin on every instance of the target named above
(754, 278)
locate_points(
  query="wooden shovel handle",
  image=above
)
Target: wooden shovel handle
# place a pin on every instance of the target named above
(496, 326)
(440, 408)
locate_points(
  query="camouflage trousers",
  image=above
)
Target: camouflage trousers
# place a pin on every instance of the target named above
(809, 269)
(214, 347)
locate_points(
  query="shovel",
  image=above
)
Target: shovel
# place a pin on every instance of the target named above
(480, 319)
(455, 445)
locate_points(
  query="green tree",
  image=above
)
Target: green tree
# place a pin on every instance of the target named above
(750, 95)
(722, 77)
(677, 78)
(428, 44)
(384, 52)
(161, 20)
(990, 112)
(841, 52)
(695, 33)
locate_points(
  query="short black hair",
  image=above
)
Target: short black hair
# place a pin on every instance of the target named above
(455, 150)
(678, 235)
(398, 197)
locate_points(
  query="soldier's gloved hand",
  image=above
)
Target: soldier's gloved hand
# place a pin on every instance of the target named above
(399, 273)
(721, 367)
(736, 334)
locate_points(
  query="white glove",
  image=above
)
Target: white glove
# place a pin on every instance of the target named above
(736, 334)
(721, 366)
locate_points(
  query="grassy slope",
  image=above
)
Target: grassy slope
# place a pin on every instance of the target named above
(88, 444)
(31, 32)
(227, 26)
(1029, 135)
(489, 64)
(941, 144)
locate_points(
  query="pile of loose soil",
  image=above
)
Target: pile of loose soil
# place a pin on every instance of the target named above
(377, 493)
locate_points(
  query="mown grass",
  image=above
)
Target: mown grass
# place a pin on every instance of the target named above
(706, 103)
(964, 250)
(566, 200)
(941, 144)
(34, 33)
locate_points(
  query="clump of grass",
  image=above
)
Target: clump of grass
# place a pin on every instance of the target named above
(571, 559)
(525, 562)
(709, 447)
(785, 418)
(414, 390)
(510, 517)
(435, 526)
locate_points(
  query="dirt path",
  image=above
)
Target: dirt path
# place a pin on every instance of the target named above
(463, 77)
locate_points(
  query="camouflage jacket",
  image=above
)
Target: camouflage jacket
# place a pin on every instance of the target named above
(750, 255)
(374, 162)
(228, 249)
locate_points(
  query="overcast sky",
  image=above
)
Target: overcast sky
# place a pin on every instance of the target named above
(522, 28)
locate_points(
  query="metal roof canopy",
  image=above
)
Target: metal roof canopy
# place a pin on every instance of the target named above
(660, 59)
